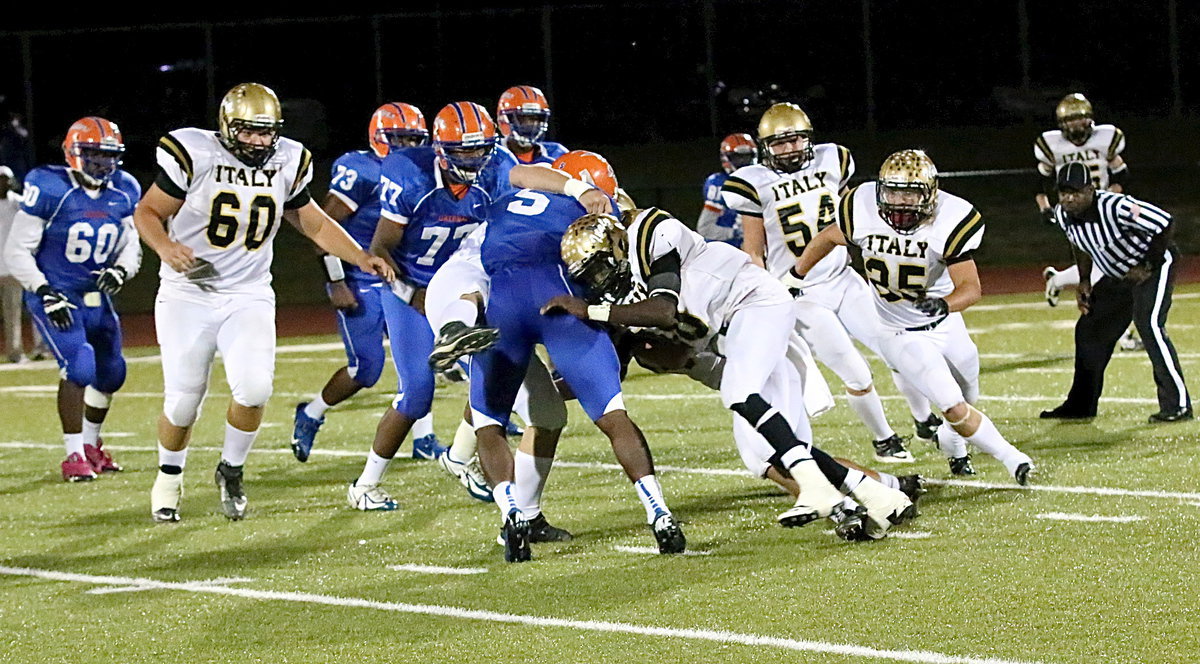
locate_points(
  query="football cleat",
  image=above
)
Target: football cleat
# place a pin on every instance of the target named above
(927, 430)
(427, 447)
(457, 339)
(369, 498)
(668, 534)
(165, 497)
(1052, 291)
(885, 507)
(912, 486)
(891, 450)
(233, 497)
(540, 530)
(817, 500)
(469, 475)
(849, 523)
(515, 534)
(1130, 341)
(1177, 415)
(1063, 412)
(513, 429)
(75, 468)
(304, 432)
(1023, 473)
(102, 462)
(961, 466)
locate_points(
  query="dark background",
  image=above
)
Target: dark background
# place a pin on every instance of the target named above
(654, 85)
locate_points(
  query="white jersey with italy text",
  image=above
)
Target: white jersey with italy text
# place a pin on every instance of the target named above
(231, 211)
(1053, 151)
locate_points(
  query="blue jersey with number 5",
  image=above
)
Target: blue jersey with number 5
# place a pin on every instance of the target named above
(525, 228)
(82, 234)
(355, 181)
(436, 219)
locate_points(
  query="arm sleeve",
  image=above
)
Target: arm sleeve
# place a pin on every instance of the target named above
(741, 196)
(23, 242)
(129, 256)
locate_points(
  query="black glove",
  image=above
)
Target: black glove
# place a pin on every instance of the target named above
(934, 307)
(1048, 216)
(57, 306)
(110, 280)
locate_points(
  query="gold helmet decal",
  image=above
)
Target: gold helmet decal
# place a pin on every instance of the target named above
(907, 190)
(250, 108)
(595, 249)
(1074, 116)
(787, 127)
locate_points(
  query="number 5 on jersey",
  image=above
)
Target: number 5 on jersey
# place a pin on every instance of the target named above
(225, 219)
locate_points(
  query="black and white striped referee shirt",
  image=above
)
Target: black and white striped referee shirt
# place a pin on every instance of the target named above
(1121, 236)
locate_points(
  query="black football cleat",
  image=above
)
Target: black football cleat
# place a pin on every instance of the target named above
(456, 339)
(848, 524)
(233, 497)
(928, 429)
(891, 450)
(961, 466)
(1064, 413)
(912, 486)
(1177, 415)
(1023, 473)
(516, 539)
(668, 534)
(540, 530)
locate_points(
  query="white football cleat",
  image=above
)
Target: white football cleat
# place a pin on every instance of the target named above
(817, 500)
(469, 474)
(370, 498)
(165, 497)
(1052, 291)
(885, 507)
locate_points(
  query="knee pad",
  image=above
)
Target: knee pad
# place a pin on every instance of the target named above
(369, 369)
(81, 368)
(181, 408)
(96, 399)
(253, 391)
(110, 375)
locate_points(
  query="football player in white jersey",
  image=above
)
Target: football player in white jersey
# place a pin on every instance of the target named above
(211, 216)
(783, 203)
(1099, 147)
(701, 289)
(917, 246)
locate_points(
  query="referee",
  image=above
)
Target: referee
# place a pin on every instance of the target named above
(1129, 241)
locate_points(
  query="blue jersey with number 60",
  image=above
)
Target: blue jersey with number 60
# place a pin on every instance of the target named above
(526, 229)
(82, 234)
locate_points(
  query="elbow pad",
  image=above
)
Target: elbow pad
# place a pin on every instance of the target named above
(1119, 176)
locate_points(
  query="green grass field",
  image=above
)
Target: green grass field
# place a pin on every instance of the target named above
(989, 573)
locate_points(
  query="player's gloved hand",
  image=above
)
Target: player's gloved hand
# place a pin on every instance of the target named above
(110, 280)
(1048, 216)
(794, 282)
(934, 307)
(56, 305)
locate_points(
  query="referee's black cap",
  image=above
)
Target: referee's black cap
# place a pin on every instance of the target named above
(1073, 177)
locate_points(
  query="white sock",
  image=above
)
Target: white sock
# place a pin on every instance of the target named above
(316, 408)
(853, 479)
(849, 504)
(169, 458)
(463, 448)
(423, 427)
(650, 493)
(1067, 278)
(869, 409)
(529, 478)
(237, 445)
(461, 310)
(373, 472)
(521, 405)
(950, 442)
(74, 443)
(91, 432)
(988, 438)
(795, 455)
(918, 404)
(889, 480)
(505, 498)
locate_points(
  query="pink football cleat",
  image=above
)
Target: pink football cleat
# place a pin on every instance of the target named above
(102, 462)
(77, 469)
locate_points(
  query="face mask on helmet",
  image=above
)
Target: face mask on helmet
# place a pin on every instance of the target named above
(253, 143)
(97, 163)
(526, 128)
(1077, 129)
(788, 152)
(464, 164)
(738, 158)
(402, 138)
(603, 277)
(904, 205)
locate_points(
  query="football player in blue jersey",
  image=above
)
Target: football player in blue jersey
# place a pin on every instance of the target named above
(521, 256)
(717, 222)
(353, 201)
(72, 247)
(524, 116)
(431, 199)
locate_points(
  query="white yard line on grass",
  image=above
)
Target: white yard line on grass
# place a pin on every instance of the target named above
(434, 569)
(712, 636)
(654, 550)
(135, 588)
(1090, 518)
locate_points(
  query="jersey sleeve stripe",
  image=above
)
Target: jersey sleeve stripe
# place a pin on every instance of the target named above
(174, 148)
(968, 227)
(742, 188)
(646, 235)
(843, 160)
(1044, 148)
(305, 163)
(845, 214)
(1118, 136)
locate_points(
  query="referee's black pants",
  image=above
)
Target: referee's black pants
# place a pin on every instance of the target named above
(1115, 302)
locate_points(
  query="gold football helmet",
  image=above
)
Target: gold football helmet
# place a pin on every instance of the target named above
(907, 190)
(254, 109)
(786, 126)
(595, 249)
(1074, 115)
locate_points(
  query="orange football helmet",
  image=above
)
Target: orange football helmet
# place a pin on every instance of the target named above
(524, 115)
(464, 138)
(396, 125)
(589, 167)
(738, 150)
(93, 147)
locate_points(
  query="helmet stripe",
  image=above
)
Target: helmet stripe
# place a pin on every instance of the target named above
(400, 110)
(99, 125)
(478, 117)
(462, 121)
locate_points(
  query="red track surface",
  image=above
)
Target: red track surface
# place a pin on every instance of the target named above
(319, 319)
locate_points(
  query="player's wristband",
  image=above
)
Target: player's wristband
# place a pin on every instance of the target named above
(333, 268)
(576, 188)
(599, 312)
